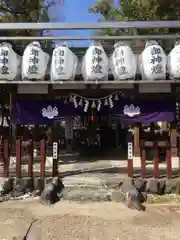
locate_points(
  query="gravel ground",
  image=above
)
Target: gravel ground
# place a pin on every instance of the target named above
(81, 221)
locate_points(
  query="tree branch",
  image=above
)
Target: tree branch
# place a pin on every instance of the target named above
(11, 11)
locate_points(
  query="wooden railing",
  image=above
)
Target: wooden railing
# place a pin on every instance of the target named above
(154, 168)
(29, 160)
(21, 162)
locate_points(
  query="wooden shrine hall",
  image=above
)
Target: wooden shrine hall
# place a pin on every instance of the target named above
(139, 116)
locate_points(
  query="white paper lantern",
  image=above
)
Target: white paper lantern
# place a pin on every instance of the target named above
(9, 62)
(123, 62)
(173, 65)
(153, 61)
(95, 63)
(34, 62)
(64, 64)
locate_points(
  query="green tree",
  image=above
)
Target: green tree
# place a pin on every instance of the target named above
(24, 11)
(21, 11)
(138, 10)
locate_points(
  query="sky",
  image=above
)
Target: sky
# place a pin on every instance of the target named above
(73, 11)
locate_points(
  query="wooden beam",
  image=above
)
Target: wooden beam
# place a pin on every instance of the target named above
(136, 141)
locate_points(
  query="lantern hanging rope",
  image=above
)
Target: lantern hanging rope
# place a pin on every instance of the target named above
(97, 103)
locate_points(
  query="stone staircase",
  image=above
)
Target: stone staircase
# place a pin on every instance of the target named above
(89, 186)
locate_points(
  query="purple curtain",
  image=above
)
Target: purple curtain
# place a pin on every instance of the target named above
(42, 111)
(144, 111)
(50, 111)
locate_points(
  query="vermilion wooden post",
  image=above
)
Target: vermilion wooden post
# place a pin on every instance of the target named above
(130, 154)
(42, 157)
(55, 167)
(55, 159)
(30, 160)
(178, 145)
(18, 158)
(130, 168)
(143, 159)
(168, 161)
(6, 158)
(55, 150)
(1, 158)
(156, 160)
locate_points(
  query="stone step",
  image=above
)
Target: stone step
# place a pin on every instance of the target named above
(82, 181)
(92, 180)
(85, 194)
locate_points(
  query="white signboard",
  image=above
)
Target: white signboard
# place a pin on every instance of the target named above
(130, 150)
(55, 150)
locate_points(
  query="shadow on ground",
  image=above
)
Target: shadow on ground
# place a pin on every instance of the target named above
(112, 170)
(120, 171)
(93, 155)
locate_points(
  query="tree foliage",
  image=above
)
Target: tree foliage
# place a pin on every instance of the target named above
(23, 11)
(138, 10)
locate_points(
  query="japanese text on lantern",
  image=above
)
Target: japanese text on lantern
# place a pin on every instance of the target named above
(33, 61)
(59, 62)
(4, 69)
(156, 60)
(96, 61)
(120, 63)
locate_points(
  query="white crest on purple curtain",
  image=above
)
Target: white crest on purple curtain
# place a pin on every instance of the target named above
(131, 110)
(50, 112)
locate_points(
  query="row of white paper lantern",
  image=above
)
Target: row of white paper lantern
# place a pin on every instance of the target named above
(153, 62)
(34, 63)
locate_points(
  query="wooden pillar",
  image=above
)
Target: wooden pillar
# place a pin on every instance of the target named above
(6, 158)
(136, 141)
(130, 154)
(5, 141)
(168, 161)
(12, 126)
(143, 159)
(42, 157)
(1, 157)
(18, 158)
(174, 146)
(30, 159)
(137, 158)
(156, 159)
(55, 151)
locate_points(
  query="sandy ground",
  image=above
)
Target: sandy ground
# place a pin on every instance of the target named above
(85, 221)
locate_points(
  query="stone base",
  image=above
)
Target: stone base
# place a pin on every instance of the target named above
(23, 185)
(18, 187)
(6, 185)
